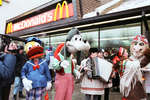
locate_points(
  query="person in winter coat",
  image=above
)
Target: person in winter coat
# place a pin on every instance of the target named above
(7, 69)
(18, 85)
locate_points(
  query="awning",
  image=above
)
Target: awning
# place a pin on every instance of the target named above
(112, 19)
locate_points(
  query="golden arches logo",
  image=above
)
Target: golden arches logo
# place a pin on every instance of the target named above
(9, 28)
(0, 2)
(61, 7)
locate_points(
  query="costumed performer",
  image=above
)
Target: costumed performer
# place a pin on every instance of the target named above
(35, 73)
(64, 66)
(131, 81)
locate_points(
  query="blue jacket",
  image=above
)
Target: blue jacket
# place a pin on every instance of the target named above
(7, 67)
(40, 76)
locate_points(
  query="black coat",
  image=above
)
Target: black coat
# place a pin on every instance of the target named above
(21, 59)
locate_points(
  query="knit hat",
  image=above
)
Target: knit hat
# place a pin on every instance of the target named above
(71, 33)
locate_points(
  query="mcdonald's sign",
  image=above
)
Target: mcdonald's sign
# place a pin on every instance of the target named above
(61, 11)
(7, 1)
(0, 2)
(9, 28)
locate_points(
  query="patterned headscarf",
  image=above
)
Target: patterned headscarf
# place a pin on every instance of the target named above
(140, 38)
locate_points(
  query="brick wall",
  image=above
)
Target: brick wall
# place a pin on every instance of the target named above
(89, 5)
(78, 9)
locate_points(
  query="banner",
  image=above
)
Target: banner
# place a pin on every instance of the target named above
(61, 11)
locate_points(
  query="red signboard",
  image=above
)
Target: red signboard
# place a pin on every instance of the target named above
(62, 11)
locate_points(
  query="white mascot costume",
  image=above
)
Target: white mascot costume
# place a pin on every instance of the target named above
(131, 82)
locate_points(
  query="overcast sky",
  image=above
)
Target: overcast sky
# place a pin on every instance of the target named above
(15, 8)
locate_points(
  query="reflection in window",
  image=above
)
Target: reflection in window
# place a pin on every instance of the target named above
(53, 41)
(118, 36)
(110, 37)
(113, 37)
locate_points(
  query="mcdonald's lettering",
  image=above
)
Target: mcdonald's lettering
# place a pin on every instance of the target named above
(34, 21)
(62, 11)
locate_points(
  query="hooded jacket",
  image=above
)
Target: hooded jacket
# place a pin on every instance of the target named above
(7, 67)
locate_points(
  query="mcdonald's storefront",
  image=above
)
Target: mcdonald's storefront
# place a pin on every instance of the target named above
(52, 21)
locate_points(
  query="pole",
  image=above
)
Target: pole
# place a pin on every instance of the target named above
(98, 38)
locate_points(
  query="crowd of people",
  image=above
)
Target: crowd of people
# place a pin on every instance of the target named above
(129, 74)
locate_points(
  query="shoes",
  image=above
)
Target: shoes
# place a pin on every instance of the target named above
(115, 89)
(21, 95)
(15, 97)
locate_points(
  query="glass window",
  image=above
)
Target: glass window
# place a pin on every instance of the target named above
(57, 39)
(113, 37)
(91, 36)
(45, 41)
(119, 36)
(110, 37)
(53, 40)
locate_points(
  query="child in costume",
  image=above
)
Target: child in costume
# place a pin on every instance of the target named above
(64, 66)
(35, 73)
(118, 67)
(131, 81)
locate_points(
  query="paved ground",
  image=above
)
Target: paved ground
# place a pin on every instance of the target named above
(77, 95)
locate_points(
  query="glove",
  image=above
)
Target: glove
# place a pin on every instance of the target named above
(78, 74)
(49, 85)
(64, 64)
(27, 84)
